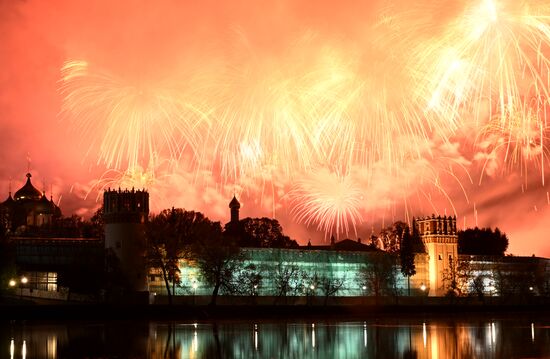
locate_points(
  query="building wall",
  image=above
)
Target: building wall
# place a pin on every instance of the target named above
(504, 276)
(342, 266)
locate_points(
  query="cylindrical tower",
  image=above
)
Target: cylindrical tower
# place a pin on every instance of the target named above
(125, 214)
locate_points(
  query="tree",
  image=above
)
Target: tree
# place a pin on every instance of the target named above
(286, 277)
(249, 279)
(457, 278)
(406, 256)
(218, 260)
(391, 236)
(168, 235)
(94, 228)
(378, 275)
(329, 286)
(259, 232)
(482, 241)
(450, 279)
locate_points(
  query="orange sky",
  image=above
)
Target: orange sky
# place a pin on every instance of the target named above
(175, 40)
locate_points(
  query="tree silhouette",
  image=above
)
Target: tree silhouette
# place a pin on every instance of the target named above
(378, 275)
(249, 279)
(285, 277)
(330, 285)
(406, 255)
(259, 232)
(218, 259)
(482, 241)
(169, 234)
(391, 236)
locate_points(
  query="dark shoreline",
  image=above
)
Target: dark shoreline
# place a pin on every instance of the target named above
(259, 312)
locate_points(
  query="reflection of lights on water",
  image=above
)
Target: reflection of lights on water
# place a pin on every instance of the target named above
(24, 350)
(493, 333)
(195, 325)
(434, 344)
(424, 335)
(313, 335)
(52, 347)
(12, 348)
(195, 341)
(365, 334)
(256, 337)
(533, 332)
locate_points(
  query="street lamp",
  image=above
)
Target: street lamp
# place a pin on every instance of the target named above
(12, 283)
(24, 280)
(423, 287)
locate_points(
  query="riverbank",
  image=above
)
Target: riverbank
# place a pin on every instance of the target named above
(24, 309)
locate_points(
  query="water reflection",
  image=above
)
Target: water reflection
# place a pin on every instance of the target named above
(511, 337)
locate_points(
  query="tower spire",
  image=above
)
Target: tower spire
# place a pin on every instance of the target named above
(28, 162)
(234, 205)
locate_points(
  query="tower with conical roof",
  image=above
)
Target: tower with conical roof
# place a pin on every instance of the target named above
(234, 205)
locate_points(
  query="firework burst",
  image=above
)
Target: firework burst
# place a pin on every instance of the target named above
(491, 63)
(329, 200)
(131, 124)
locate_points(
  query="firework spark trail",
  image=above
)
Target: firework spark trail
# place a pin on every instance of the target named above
(317, 107)
(133, 124)
(330, 200)
(492, 62)
(327, 107)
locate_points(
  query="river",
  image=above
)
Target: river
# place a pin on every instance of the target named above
(525, 335)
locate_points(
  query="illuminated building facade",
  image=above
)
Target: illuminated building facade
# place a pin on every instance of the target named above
(440, 239)
(345, 263)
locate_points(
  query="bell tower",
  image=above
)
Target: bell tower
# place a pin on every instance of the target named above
(440, 238)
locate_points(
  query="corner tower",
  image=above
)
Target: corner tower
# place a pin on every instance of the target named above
(125, 214)
(439, 236)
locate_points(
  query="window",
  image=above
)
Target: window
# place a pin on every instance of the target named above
(440, 258)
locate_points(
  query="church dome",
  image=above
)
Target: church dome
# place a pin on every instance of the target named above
(28, 191)
(44, 206)
(8, 202)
